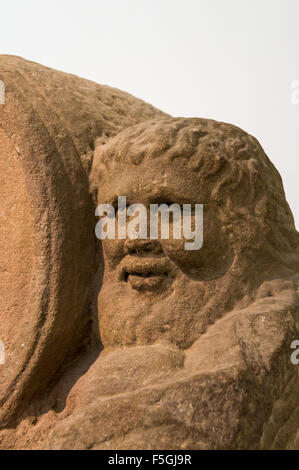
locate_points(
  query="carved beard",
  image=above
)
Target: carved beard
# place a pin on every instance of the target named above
(179, 314)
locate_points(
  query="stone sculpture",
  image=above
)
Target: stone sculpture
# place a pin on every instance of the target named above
(177, 349)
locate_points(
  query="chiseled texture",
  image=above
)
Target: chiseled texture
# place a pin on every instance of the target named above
(49, 126)
(194, 349)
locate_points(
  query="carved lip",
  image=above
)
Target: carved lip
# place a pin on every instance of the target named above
(146, 273)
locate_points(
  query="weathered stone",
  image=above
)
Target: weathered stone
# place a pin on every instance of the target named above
(197, 359)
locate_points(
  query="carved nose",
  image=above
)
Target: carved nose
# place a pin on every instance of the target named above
(139, 246)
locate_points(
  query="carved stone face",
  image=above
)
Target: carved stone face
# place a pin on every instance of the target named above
(154, 289)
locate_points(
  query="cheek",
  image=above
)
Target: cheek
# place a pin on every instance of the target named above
(113, 251)
(212, 259)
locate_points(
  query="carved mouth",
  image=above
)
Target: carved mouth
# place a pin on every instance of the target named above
(144, 273)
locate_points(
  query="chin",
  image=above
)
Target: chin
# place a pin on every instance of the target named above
(131, 316)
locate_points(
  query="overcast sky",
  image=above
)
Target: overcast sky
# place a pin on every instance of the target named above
(230, 60)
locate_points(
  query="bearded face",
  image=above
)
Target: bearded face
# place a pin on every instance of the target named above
(156, 289)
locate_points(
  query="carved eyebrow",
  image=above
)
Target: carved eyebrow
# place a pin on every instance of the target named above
(113, 201)
(162, 200)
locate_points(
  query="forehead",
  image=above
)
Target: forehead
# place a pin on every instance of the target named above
(157, 177)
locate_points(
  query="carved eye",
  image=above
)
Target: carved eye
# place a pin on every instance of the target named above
(116, 209)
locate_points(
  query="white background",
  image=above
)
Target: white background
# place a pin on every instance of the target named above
(230, 60)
